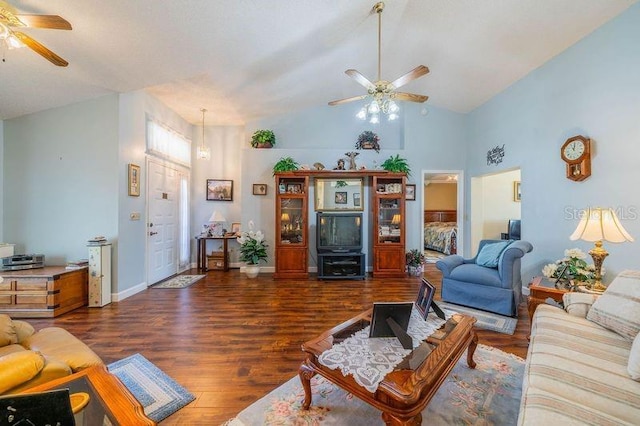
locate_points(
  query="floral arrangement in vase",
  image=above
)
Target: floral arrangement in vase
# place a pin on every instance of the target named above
(253, 248)
(368, 140)
(572, 267)
(415, 261)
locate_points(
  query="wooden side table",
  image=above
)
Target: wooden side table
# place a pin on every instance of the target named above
(539, 290)
(201, 242)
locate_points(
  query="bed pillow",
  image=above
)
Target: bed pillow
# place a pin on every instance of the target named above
(618, 308)
(490, 253)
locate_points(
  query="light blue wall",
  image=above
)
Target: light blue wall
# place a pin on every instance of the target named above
(324, 134)
(61, 179)
(592, 89)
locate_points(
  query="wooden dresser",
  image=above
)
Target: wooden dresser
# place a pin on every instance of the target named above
(44, 292)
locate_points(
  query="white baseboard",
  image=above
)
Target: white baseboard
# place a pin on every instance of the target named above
(116, 297)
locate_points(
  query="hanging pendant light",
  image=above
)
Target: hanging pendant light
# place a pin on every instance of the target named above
(203, 152)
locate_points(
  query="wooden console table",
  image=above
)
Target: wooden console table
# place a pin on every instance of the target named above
(201, 242)
(43, 292)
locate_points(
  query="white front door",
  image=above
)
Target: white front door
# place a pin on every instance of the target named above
(162, 226)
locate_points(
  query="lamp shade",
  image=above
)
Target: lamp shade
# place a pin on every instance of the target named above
(285, 217)
(216, 216)
(600, 224)
(395, 220)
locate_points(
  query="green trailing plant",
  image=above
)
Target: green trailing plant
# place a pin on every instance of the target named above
(253, 249)
(340, 184)
(286, 164)
(396, 165)
(368, 140)
(263, 139)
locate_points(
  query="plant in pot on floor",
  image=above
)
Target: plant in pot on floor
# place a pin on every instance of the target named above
(415, 262)
(253, 249)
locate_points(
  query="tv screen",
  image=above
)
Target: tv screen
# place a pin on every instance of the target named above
(339, 232)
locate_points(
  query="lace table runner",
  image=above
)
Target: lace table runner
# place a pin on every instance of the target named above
(370, 360)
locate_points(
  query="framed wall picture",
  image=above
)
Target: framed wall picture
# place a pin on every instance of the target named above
(219, 190)
(341, 197)
(516, 190)
(134, 180)
(259, 189)
(410, 192)
(356, 199)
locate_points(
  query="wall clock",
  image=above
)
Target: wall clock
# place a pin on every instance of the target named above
(576, 152)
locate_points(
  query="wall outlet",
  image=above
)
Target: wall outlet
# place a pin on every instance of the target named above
(134, 216)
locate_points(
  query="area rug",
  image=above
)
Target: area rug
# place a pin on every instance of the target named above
(486, 320)
(181, 281)
(487, 395)
(432, 256)
(158, 393)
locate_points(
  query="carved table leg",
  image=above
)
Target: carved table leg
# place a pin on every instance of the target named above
(471, 350)
(306, 373)
(391, 420)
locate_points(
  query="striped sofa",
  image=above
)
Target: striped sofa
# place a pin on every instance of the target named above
(576, 373)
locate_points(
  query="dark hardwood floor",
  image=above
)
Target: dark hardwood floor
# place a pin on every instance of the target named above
(230, 340)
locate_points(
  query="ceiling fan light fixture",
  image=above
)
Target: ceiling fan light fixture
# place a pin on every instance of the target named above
(373, 107)
(392, 116)
(375, 118)
(362, 114)
(393, 108)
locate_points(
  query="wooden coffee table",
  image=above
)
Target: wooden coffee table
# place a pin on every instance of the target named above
(406, 391)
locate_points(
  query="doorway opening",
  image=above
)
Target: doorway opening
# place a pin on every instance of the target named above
(442, 213)
(495, 201)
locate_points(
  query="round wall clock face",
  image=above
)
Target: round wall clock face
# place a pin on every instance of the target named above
(574, 149)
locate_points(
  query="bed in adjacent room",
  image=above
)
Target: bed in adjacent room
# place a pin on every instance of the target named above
(440, 230)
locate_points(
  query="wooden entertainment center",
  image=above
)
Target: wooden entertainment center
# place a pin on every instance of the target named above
(43, 292)
(387, 209)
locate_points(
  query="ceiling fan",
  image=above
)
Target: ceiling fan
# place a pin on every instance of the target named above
(382, 92)
(12, 38)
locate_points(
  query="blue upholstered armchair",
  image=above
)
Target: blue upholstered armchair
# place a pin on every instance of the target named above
(498, 289)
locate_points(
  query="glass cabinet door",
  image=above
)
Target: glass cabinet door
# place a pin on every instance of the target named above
(389, 220)
(291, 221)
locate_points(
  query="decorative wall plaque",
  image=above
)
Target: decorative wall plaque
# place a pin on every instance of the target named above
(495, 155)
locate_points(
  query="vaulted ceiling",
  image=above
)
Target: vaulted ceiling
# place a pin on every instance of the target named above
(246, 59)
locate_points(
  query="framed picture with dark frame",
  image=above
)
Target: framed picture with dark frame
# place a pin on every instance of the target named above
(134, 180)
(259, 189)
(410, 193)
(425, 297)
(341, 198)
(356, 199)
(219, 190)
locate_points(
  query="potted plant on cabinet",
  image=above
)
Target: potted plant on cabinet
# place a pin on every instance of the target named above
(415, 262)
(286, 164)
(368, 140)
(253, 249)
(396, 165)
(263, 139)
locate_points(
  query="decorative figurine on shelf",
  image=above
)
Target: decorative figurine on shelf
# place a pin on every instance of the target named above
(318, 166)
(340, 165)
(352, 160)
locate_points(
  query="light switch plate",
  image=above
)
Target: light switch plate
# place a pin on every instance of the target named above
(134, 216)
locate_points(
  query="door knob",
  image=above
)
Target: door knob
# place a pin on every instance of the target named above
(152, 233)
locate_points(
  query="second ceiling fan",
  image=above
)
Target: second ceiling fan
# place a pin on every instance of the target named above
(382, 92)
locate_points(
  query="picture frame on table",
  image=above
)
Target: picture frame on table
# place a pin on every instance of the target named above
(134, 180)
(424, 302)
(294, 188)
(410, 192)
(259, 189)
(235, 228)
(219, 190)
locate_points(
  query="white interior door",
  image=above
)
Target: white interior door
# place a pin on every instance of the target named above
(162, 227)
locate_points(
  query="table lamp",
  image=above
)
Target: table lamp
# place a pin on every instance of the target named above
(285, 219)
(598, 225)
(217, 224)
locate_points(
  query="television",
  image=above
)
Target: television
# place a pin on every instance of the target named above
(514, 229)
(339, 232)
